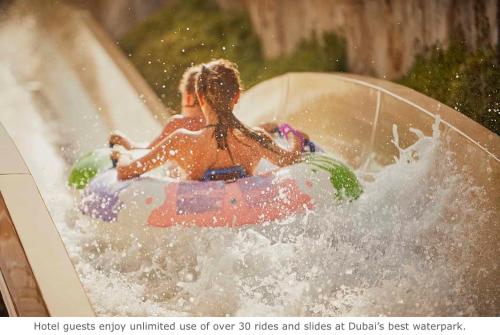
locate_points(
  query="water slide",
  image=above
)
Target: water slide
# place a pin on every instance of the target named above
(422, 240)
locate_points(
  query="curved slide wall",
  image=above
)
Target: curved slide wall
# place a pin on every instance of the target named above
(356, 117)
(37, 277)
(81, 83)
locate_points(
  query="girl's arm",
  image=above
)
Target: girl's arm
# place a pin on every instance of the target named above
(118, 138)
(270, 127)
(157, 156)
(281, 157)
(170, 127)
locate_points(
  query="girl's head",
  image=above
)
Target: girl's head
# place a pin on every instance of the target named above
(187, 87)
(218, 85)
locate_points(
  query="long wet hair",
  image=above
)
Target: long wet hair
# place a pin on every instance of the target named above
(188, 83)
(219, 82)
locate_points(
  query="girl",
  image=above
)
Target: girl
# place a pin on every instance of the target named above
(224, 144)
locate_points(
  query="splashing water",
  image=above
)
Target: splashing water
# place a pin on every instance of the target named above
(389, 252)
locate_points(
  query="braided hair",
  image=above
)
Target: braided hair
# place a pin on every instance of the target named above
(219, 82)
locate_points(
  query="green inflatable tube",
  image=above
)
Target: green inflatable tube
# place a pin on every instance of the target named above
(342, 178)
(88, 166)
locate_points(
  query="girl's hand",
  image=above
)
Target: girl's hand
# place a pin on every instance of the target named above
(116, 138)
(270, 127)
(115, 155)
(298, 146)
(120, 154)
(304, 135)
(121, 163)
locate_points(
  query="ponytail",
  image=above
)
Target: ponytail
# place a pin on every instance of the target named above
(219, 82)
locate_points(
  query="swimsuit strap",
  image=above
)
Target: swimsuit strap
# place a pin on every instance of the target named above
(228, 174)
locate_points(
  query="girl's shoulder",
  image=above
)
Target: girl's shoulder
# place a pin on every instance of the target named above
(179, 119)
(183, 135)
(176, 119)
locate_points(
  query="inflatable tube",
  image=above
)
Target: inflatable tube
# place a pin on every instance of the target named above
(88, 166)
(167, 202)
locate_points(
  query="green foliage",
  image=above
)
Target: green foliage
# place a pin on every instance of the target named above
(327, 55)
(196, 31)
(467, 81)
